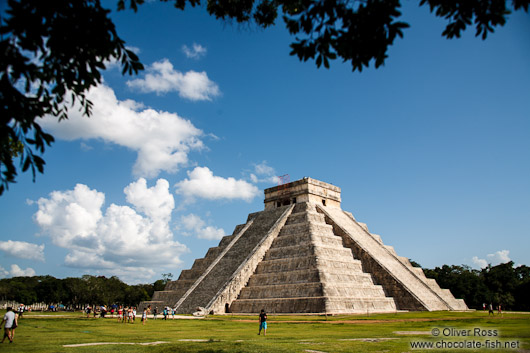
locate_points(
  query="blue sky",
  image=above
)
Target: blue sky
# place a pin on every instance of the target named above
(432, 150)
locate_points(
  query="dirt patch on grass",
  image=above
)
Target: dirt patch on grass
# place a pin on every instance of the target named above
(108, 343)
(378, 339)
(197, 340)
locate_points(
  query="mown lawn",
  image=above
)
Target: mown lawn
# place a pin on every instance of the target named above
(361, 333)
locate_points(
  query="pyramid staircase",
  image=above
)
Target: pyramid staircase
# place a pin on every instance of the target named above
(308, 270)
(407, 284)
(303, 254)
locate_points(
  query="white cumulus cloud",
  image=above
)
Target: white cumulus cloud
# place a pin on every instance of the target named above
(161, 77)
(161, 139)
(195, 52)
(481, 263)
(23, 250)
(264, 173)
(133, 242)
(16, 271)
(3, 272)
(194, 225)
(202, 183)
(498, 257)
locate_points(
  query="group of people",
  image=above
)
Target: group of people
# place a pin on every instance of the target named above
(127, 314)
(165, 312)
(101, 311)
(490, 309)
(10, 322)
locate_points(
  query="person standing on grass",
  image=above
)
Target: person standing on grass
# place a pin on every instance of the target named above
(144, 316)
(21, 310)
(263, 322)
(10, 324)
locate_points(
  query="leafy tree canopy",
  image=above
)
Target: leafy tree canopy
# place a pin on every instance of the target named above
(53, 51)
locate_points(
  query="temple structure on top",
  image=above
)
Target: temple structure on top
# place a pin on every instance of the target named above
(303, 254)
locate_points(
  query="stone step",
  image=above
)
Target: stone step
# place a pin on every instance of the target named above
(336, 276)
(304, 207)
(360, 305)
(212, 253)
(404, 259)
(298, 276)
(212, 281)
(191, 274)
(310, 275)
(179, 284)
(308, 250)
(402, 282)
(314, 305)
(307, 228)
(306, 217)
(314, 289)
(280, 305)
(307, 262)
(227, 239)
(166, 296)
(352, 290)
(419, 272)
(307, 238)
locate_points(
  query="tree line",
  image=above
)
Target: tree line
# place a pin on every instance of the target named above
(502, 284)
(75, 292)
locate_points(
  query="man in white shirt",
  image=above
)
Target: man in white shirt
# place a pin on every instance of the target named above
(10, 324)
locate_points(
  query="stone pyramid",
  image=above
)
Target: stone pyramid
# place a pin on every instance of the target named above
(303, 254)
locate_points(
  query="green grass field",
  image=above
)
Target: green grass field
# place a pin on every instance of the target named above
(39, 332)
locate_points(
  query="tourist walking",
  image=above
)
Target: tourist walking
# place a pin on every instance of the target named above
(10, 321)
(263, 322)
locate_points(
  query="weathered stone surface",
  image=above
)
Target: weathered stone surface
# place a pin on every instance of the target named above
(303, 254)
(408, 285)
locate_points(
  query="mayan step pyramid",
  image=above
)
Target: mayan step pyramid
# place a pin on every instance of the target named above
(303, 254)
